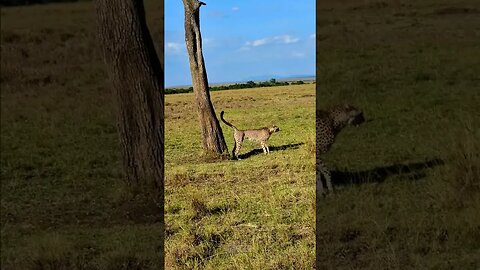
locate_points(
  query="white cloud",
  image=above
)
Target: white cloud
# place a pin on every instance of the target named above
(312, 36)
(173, 47)
(235, 9)
(260, 42)
(207, 41)
(287, 39)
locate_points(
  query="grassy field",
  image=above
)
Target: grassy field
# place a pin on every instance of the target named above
(63, 204)
(408, 180)
(257, 213)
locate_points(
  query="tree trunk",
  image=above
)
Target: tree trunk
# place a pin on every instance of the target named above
(212, 135)
(137, 79)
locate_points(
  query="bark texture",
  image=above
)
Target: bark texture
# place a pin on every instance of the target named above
(137, 79)
(212, 135)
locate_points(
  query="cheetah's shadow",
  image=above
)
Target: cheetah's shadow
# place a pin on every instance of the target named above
(272, 148)
(415, 170)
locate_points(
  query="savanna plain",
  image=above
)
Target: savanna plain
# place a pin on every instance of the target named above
(408, 179)
(64, 204)
(256, 213)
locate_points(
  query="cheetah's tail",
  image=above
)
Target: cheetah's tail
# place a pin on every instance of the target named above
(225, 121)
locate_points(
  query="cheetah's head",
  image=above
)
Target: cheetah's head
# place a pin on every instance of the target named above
(346, 115)
(273, 129)
(355, 116)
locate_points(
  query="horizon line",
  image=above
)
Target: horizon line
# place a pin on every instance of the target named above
(312, 77)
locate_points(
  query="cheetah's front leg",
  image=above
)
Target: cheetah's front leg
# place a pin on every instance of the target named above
(264, 147)
(236, 150)
(323, 170)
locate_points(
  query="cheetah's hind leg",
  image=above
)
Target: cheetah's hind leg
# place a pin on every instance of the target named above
(322, 170)
(236, 150)
(320, 189)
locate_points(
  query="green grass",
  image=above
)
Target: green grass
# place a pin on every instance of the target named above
(408, 180)
(63, 202)
(257, 213)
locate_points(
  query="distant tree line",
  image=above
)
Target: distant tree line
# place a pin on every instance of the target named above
(249, 84)
(32, 2)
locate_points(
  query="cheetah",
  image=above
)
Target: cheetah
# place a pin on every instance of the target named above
(261, 135)
(328, 124)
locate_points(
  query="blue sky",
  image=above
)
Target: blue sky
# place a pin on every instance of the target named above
(243, 40)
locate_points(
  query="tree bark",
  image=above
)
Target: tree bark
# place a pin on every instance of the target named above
(136, 75)
(212, 135)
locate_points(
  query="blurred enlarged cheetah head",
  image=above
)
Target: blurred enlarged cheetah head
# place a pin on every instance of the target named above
(273, 129)
(356, 117)
(347, 115)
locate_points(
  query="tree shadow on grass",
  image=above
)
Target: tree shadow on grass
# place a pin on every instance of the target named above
(416, 171)
(272, 148)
